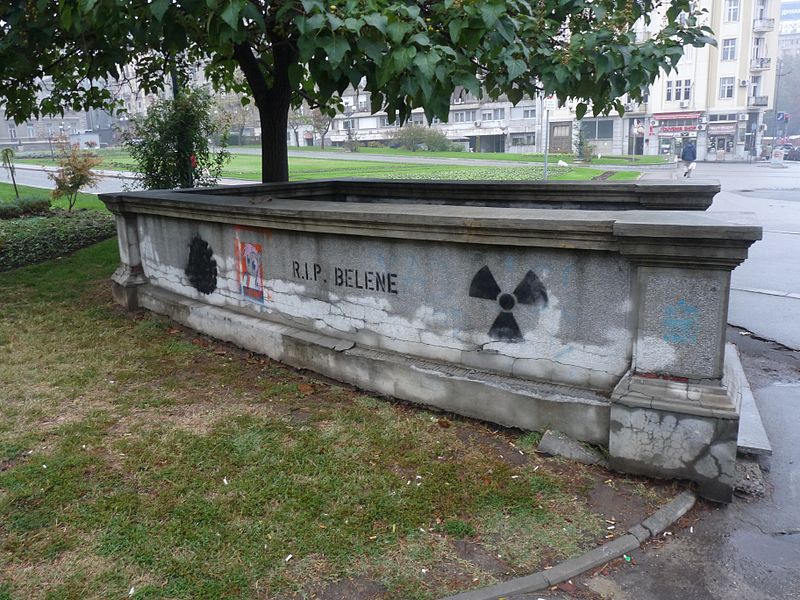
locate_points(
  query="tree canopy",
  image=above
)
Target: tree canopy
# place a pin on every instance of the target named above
(408, 54)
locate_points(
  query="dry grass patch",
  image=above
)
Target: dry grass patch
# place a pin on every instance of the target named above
(134, 453)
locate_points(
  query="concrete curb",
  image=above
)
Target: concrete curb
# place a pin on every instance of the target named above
(650, 527)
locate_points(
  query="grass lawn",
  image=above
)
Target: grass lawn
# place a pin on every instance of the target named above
(134, 454)
(88, 201)
(509, 156)
(247, 166)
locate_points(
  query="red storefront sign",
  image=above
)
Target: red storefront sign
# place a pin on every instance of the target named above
(678, 128)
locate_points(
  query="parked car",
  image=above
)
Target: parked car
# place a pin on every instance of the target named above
(793, 154)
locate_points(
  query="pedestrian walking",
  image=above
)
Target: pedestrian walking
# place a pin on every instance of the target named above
(688, 156)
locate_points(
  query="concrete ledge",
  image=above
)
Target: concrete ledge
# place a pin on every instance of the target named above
(655, 524)
(752, 435)
(509, 401)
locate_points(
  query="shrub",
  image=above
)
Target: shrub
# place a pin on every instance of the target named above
(20, 207)
(75, 172)
(417, 137)
(170, 144)
(35, 239)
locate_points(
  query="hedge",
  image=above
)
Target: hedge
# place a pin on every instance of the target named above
(20, 207)
(31, 240)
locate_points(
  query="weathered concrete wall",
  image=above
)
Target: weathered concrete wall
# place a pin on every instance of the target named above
(528, 317)
(413, 296)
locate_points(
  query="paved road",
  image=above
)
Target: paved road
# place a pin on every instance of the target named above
(113, 182)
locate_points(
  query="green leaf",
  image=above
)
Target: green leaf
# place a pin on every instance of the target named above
(455, 28)
(315, 22)
(159, 7)
(420, 38)
(352, 24)
(377, 21)
(492, 12)
(310, 5)
(426, 63)
(231, 13)
(515, 68)
(336, 48)
(335, 22)
(580, 110)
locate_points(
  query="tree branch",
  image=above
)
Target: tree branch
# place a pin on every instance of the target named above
(251, 68)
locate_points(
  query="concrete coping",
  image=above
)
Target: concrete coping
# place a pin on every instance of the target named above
(606, 195)
(693, 238)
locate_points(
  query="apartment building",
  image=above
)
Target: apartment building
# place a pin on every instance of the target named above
(716, 98)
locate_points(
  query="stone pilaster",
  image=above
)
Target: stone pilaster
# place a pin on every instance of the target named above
(129, 275)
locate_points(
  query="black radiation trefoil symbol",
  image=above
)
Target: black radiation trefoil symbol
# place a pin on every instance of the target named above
(529, 291)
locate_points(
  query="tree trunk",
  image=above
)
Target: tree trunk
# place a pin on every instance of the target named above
(322, 141)
(296, 138)
(273, 105)
(274, 151)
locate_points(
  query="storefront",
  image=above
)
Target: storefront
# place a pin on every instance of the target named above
(674, 130)
(722, 140)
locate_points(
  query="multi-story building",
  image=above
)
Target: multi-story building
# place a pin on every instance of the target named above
(716, 97)
(789, 27)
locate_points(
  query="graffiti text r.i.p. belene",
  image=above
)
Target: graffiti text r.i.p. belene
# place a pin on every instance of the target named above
(340, 276)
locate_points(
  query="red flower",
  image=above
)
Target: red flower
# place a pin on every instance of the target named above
(193, 160)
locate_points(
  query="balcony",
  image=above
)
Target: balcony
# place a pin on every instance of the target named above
(757, 100)
(760, 64)
(763, 25)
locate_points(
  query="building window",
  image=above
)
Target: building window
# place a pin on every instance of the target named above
(561, 131)
(31, 131)
(12, 132)
(726, 86)
(725, 117)
(464, 116)
(687, 90)
(731, 10)
(418, 119)
(669, 91)
(755, 85)
(348, 124)
(523, 139)
(529, 113)
(729, 49)
(601, 129)
(493, 115)
(758, 47)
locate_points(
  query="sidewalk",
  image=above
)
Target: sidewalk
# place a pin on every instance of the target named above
(749, 550)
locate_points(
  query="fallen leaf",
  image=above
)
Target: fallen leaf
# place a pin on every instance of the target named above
(443, 423)
(305, 389)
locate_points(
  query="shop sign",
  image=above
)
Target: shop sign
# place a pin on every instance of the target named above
(678, 128)
(722, 129)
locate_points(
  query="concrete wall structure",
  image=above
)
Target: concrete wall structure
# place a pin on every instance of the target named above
(605, 324)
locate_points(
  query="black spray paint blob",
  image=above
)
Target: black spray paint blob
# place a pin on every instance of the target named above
(201, 268)
(530, 291)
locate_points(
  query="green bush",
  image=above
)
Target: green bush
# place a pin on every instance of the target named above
(418, 137)
(24, 206)
(35, 239)
(170, 144)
